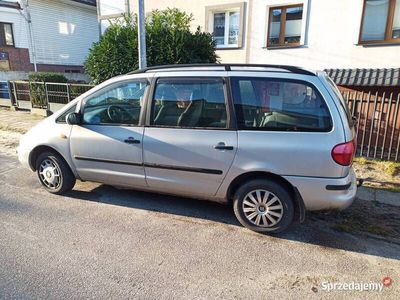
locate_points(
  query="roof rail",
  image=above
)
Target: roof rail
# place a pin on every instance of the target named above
(227, 67)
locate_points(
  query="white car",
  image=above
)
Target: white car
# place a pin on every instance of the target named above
(273, 140)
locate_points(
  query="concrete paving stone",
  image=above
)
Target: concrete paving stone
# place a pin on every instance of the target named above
(388, 197)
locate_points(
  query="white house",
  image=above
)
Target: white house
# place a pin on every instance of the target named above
(46, 35)
(329, 34)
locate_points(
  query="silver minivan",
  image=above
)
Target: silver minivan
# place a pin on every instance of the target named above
(273, 141)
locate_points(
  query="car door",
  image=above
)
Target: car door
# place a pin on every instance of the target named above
(188, 144)
(107, 146)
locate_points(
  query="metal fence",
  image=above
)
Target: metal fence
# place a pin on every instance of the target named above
(378, 123)
(43, 95)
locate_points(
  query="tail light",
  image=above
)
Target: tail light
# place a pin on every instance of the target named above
(343, 153)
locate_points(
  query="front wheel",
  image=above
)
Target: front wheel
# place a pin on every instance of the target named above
(263, 206)
(54, 173)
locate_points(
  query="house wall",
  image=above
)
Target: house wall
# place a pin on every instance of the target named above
(20, 27)
(22, 75)
(18, 58)
(63, 31)
(330, 39)
(198, 9)
(330, 31)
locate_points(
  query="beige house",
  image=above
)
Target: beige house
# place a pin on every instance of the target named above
(341, 35)
(227, 19)
(313, 33)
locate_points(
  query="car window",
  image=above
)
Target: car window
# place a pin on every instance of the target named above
(189, 103)
(279, 105)
(118, 104)
(342, 102)
(62, 118)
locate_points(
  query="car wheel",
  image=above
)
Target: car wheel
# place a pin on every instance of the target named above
(54, 173)
(263, 206)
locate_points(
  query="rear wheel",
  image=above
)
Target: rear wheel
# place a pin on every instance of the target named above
(263, 206)
(54, 173)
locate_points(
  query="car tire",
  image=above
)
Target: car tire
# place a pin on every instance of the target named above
(263, 206)
(54, 173)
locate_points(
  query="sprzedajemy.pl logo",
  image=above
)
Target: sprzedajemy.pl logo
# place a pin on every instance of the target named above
(356, 285)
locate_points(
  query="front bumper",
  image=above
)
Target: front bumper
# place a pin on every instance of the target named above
(23, 157)
(339, 195)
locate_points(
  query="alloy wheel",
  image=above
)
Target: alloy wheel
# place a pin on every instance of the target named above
(262, 208)
(50, 174)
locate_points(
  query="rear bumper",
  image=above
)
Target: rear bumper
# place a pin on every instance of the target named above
(326, 193)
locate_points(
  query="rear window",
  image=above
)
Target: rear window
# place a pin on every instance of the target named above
(343, 103)
(279, 105)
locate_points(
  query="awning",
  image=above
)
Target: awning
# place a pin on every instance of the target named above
(365, 77)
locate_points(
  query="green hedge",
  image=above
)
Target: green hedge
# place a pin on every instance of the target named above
(37, 86)
(169, 40)
(47, 77)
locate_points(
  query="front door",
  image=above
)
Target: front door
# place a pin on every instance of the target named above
(188, 147)
(107, 147)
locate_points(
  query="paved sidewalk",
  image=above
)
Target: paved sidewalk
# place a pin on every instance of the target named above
(378, 195)
(17, 121)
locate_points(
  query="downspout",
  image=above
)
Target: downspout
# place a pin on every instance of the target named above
(248, 30)
(27, 17)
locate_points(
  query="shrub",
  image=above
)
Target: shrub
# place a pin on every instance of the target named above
(47, 77)
(37, 86)
(168, 40)
(77, 90)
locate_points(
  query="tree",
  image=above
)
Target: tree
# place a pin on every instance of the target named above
(168, 40)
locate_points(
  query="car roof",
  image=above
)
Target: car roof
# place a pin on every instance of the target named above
(227, 67)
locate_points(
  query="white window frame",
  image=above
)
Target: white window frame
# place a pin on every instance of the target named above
(227, 9)
(226, 32)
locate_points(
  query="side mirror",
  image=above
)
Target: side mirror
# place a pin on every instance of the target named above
(74, 119)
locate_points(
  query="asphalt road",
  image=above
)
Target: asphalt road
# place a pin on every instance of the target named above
(100, 242)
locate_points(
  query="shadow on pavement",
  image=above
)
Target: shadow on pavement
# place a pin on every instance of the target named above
(317, 229)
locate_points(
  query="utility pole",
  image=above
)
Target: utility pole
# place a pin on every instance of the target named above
(142, 35)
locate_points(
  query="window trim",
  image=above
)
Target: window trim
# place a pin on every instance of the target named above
(228, 103)
(299, 81)
(65, 114)
(283, 26)
(111, 85)
(4, 33)
(226, 8)
(388, 29)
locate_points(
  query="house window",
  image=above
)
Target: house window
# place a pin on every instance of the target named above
(226, 24)
(380, 22)
(226, 28)
(6, 35)
(285, 24)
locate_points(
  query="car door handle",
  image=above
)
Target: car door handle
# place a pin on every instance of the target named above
(223, 146)
(131, 140)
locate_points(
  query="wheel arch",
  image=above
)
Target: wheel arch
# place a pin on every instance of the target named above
(34, 154)
(294, 193)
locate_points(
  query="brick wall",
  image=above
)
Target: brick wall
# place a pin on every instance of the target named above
(60, 68)
(20, 61)
(19, 58)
